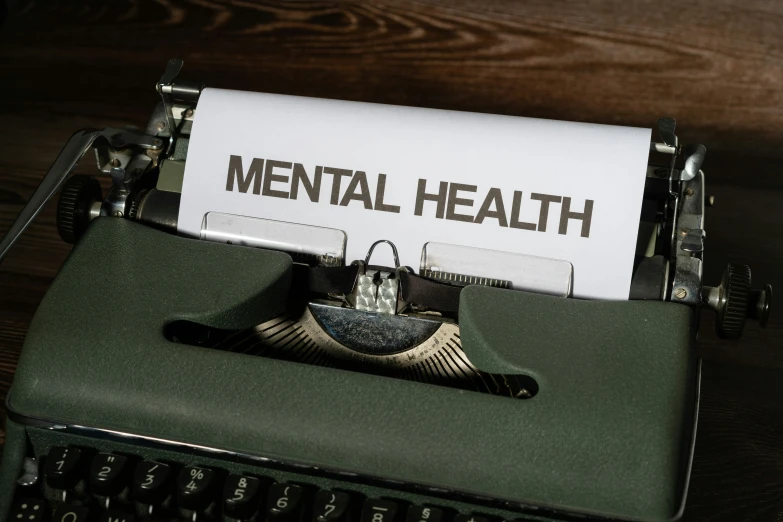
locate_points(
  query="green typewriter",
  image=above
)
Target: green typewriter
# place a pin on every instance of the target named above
(175, 378)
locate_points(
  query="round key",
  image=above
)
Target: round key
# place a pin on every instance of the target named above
(63, 467)
(285, 503)
(423, 514)
(108, 474)
(195, 488)
(331, 506)
(151, 482)
(71, 513)
(379, 510)
(30, 510)
(241, 496)
(116, 516)
(470, 518)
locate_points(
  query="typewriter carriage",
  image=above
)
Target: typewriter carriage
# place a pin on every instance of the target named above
(146, 169)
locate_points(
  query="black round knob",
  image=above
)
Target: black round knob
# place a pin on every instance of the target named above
(73, 208)
(735, 294)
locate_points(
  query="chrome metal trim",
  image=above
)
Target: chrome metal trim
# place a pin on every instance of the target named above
(692, 446)
(688, 265)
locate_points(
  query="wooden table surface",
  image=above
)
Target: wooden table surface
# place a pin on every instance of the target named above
(715, 66)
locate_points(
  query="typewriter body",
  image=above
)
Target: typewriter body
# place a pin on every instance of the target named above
(173, 378)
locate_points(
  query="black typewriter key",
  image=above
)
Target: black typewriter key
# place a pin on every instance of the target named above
(29, 510)
(379, 510)
(242, 496)
(424, 514)
(470, 518)
(151, 482)
(63, 467)
(331, 506)
(285, 503)
(69, 513)
(108, 474)
(115, 516)
(195, 488)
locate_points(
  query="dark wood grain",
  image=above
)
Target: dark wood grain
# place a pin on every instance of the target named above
(715, 66)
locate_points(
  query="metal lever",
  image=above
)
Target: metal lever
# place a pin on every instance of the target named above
(164, 87)
(666, 128)
(693, 241)
(694, 157)
(69, 157)
(169, 74)
(171, 90)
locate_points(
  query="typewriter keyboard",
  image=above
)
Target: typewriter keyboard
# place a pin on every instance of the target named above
(76, 483)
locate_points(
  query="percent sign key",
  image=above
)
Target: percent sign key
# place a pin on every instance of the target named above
(195, 488)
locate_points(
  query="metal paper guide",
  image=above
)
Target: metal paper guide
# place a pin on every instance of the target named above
(477, 186)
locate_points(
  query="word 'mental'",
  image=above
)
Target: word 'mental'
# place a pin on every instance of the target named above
(451, 201)
(357, 190)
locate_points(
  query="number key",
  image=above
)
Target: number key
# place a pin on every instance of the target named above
(108, 473)
(331, 506)
(63, 469)
(195, 487)
(424, 514)
(151, 482)
(379, 510)
(285, 503)
(241, 496)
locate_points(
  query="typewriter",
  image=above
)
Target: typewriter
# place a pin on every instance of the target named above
(174, 378)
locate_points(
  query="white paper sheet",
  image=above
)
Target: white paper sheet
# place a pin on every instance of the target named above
(499, 172)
